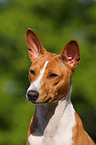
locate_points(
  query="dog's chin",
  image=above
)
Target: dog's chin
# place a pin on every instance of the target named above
(47, 101)
(34, 101)
(38, 102)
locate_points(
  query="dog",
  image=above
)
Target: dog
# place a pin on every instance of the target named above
(55, 121)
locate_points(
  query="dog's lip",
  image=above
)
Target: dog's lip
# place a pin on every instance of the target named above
(32, 101)
(48, 100)
(41, 101)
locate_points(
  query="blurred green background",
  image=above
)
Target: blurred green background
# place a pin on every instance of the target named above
(56, 22)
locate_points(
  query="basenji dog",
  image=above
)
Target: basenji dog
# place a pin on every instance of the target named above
(55, 121)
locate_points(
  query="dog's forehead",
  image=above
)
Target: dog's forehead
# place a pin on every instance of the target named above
(41, 60)
(54, 64)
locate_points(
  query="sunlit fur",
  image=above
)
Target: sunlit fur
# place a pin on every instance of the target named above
(51, 89)
(55, 121)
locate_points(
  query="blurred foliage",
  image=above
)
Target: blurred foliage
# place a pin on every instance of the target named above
(55, 22)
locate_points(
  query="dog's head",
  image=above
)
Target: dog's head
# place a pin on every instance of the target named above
(50, 74)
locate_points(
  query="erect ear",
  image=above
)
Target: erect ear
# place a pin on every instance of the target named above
(71, 54)
(35, 48)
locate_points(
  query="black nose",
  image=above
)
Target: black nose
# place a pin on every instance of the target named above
(32, 95)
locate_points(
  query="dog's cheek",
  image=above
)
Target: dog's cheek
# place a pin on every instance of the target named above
(61, 90)
(44, 90)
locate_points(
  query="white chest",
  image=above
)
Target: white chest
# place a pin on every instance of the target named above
(58, 130)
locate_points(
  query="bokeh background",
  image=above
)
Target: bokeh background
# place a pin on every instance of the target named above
(56, 22)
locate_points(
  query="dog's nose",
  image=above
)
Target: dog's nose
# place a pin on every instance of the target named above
(32, 95)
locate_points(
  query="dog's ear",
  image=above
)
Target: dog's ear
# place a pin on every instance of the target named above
(71, 54)
(35, 48)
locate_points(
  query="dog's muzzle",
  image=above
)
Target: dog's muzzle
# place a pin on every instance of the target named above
(32, 95)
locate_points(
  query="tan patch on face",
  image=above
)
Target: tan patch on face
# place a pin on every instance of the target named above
(53, 89)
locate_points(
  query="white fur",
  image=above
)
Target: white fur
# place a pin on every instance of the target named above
(36, 84)
(56, 127)
(34, 140)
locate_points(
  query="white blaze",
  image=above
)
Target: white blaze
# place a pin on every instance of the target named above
(36, 84)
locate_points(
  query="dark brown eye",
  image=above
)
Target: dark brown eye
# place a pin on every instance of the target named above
(53, 75)
(32, 72)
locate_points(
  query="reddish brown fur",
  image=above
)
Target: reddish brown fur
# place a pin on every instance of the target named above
(80, 136)
(52, 90)
(59, 87)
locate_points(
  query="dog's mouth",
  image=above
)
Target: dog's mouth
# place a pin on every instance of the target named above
(49, 100)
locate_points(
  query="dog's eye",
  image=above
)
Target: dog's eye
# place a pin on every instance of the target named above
(32, 72)
(53, 75)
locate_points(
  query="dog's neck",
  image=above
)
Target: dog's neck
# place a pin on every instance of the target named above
(55, 120)
(50, 114)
